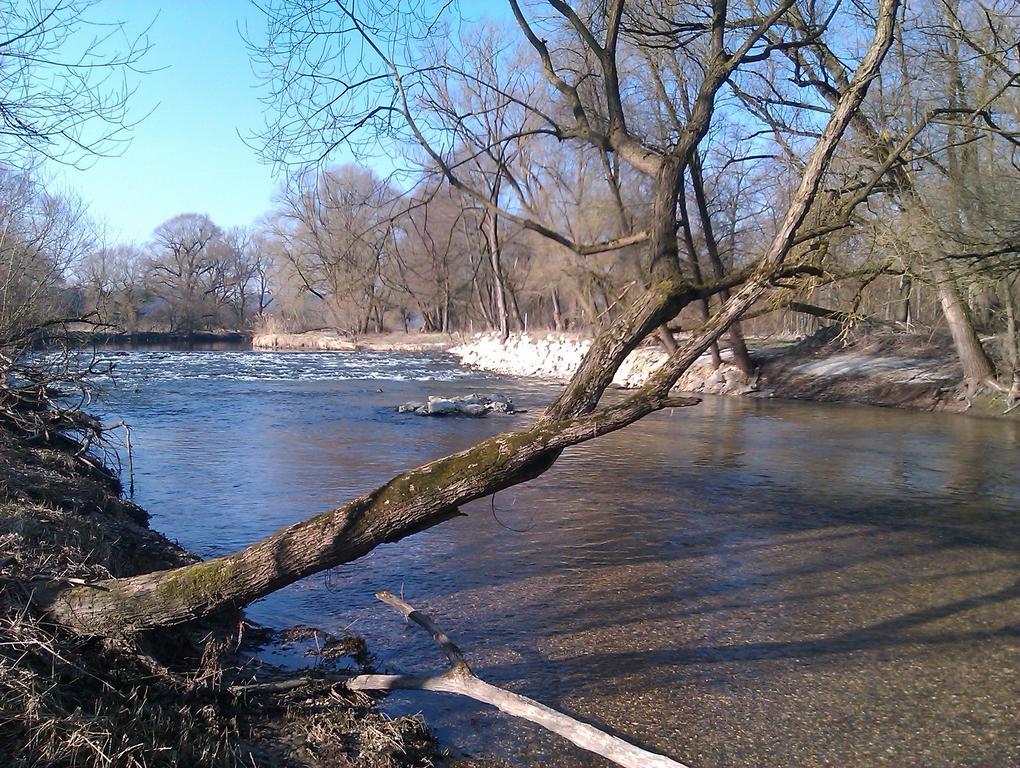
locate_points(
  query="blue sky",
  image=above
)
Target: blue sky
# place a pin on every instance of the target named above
(187, 155)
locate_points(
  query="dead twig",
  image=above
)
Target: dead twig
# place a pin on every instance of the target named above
(461, 680)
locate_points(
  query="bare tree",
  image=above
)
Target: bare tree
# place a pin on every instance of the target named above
(65, 81)
(247, 264)
(336, 234)
(41, 237)
(187, 269)
(924, 129)
(435, 257)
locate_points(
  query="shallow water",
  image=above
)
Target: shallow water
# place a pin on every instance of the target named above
(741, 583)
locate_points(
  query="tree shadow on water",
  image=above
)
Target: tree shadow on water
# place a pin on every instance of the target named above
(574, 673)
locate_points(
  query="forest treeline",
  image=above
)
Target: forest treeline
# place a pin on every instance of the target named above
(917, 224)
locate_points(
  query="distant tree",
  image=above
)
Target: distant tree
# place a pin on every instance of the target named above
(247, 262)
(187, 270)
(435, 264)
(336, 232)
(114, 283)
(96, 280)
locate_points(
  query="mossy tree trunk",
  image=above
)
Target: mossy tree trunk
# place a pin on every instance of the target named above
(432, 493)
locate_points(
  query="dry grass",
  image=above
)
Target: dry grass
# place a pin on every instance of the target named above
(326, 726)
(271, 324)
(162, 700)
(63, 703)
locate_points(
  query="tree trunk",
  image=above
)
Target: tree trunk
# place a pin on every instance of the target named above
(423, 497)
(977, 368)
(590, 307)
(514, 307)
(557, 315)
(1012, 345)
(666, 339)
(741, 357)
(411, 502)
(903, 314)
(692, 254)
(483, 305)
(499, 283)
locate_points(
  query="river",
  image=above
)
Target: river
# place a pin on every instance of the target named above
(744, 583)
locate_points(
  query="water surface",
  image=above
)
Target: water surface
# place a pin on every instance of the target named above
(742, 583)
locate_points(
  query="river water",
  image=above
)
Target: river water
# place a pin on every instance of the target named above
(745, 583)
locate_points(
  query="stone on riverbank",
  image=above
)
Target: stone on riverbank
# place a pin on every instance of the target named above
(554, 356)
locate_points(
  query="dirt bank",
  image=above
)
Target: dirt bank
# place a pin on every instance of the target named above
(898, 370)
(325, 341)
(169, 699)
(83, 335)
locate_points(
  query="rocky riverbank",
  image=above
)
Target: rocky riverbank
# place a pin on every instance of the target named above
(557, 356)
(883, 368)
(888, 369)
(551, 356)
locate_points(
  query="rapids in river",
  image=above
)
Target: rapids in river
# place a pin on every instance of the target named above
(744, 583)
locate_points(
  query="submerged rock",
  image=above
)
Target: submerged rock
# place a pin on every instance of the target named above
(474, 405)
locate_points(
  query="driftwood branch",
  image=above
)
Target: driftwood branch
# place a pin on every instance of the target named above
(282, 686)
(461, 680)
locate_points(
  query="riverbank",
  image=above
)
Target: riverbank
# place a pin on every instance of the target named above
(880, 368)
(174, 698)
(898, 370)
(893, 370)
(325, 341)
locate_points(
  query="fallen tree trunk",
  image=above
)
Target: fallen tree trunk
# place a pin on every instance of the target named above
(409, 503)
(836, 315)
(432, 493)
(459, 679)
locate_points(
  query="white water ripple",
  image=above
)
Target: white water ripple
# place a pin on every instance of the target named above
(140, 366)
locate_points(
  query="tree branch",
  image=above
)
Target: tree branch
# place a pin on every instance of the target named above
(461, 680)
